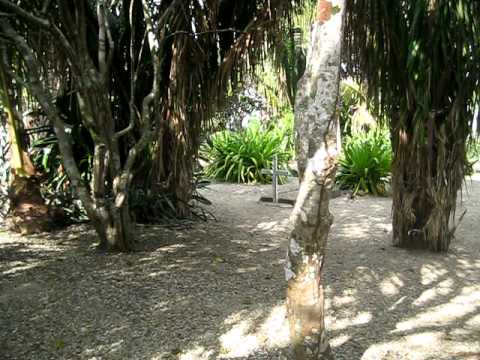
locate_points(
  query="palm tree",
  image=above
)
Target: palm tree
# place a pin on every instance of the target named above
(421, 61)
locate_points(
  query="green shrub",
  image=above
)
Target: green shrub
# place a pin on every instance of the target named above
(240, 156)
(365, 163)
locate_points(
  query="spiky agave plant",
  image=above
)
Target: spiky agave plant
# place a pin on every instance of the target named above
(421, 61)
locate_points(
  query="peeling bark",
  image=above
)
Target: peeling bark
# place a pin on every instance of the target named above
(316, 125)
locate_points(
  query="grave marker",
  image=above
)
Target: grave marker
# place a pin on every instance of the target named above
(275, 173)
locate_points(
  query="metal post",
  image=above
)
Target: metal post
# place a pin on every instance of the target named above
(274, 179)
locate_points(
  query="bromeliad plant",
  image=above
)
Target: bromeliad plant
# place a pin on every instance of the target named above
(240, 156)
(365, 163)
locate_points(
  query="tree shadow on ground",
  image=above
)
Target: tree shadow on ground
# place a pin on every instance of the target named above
(217, 290)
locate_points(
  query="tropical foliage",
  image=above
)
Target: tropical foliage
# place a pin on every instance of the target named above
(355, 116)
(55, 184)
(240, 156)
(365, 163)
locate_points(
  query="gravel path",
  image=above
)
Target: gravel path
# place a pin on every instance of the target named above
(217, 290)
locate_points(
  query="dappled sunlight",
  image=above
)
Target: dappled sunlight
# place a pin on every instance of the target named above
(266, 226)
(172, 248)
(112, 349)
(474, 322)
(431, 273)
(428, 338)
(396, 349)
(355, 231)
(391, 286)
(361, 318)
(441, 289)
(17, 266)
(339, 340)
(251, 332)
(275, 328)
(418, 346)
(397, 303)
(343, 300)
(272, 226)
(217, 290)
(238, 342)
(198, 353)
(243, 270)
(455, 309)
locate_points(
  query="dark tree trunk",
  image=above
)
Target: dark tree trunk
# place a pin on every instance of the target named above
(116, 231)
(427, 174)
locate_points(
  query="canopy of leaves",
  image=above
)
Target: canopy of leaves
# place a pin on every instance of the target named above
(420, 56)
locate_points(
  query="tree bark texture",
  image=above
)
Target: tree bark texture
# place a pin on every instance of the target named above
(426, 178)
(316, 120)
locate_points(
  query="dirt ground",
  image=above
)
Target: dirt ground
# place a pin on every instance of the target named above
(217, 290)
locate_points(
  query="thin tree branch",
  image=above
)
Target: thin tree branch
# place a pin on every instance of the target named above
(25, 14)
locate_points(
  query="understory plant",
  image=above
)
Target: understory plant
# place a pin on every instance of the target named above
(55, 186)
(240, 156)
(365, 163)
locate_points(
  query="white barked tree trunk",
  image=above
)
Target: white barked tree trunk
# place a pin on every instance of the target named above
(316, 118)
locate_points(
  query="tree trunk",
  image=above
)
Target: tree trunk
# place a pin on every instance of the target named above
(182, 177)
(182, 148)
(316, 123)
(426, 177)
(116, 230)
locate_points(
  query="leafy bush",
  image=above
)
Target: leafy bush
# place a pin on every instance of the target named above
(365, 163)
(240, 156)
(46, 157)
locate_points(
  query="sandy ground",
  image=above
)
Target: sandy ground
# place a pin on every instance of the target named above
(217, 290)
